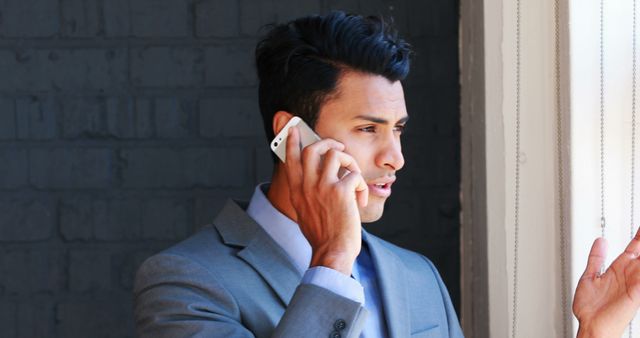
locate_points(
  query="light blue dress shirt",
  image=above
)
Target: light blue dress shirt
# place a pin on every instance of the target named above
(286, 233)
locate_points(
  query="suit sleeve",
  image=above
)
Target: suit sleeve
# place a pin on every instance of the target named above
(455, 331)
(176, 297)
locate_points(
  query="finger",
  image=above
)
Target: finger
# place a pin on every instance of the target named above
(633, 273)
(333, 161)
(292, 163)
(633, 248)
(597, 256)
(355, 182)
(312, 154)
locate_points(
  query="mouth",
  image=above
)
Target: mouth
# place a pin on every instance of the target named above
(381, 189)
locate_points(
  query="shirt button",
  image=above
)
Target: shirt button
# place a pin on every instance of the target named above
(340, 324)
(335, 334)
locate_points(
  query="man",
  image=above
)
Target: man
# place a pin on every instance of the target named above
(295, 261)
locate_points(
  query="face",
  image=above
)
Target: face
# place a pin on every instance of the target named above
(368, 116)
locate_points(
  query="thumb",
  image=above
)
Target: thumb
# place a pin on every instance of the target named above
(597, 256)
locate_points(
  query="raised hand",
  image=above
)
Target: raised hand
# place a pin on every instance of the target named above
(326, 204)
(605, 303)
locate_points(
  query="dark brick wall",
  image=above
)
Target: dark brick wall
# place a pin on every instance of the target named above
(124, 125)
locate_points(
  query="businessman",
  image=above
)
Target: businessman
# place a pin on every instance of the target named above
(295, 261)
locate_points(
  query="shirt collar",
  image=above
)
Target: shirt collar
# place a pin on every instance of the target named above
(281, 228)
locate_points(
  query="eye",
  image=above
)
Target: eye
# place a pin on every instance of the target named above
(368, 129)
(400, 128)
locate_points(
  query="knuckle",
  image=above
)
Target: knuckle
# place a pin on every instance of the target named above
(331, 154)
(313, 146)
(290, 141)
(307, 152)
(351, 160)
(337, 189)
(335, 142)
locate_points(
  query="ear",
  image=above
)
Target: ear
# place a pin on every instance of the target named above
(280, 119)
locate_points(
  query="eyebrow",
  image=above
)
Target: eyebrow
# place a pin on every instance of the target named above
(379, 120)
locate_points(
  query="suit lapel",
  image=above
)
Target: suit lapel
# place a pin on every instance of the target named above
(260, 251)
(392, 284)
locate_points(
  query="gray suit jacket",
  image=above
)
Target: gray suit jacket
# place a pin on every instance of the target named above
(232, 280)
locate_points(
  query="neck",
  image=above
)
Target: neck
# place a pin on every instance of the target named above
(278, 193)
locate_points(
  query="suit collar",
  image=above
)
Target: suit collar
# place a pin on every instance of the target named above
(282, 229)
(234, 225)
(391, 279)
(260, 251)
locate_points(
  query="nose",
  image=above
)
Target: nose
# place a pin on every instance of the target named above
(390, 155)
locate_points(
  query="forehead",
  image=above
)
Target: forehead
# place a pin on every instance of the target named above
(364, 94)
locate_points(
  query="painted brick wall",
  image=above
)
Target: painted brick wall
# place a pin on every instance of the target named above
(124, 126)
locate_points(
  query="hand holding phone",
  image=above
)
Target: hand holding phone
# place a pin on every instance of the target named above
(326, 203)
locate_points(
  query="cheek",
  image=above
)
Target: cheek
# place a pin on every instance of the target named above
(361, 148)
(361, 154)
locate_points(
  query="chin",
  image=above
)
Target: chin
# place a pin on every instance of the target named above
(372, 212)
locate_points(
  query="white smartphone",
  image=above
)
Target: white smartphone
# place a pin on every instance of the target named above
(307, 137)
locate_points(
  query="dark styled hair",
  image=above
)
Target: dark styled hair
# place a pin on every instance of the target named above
(300, 62)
